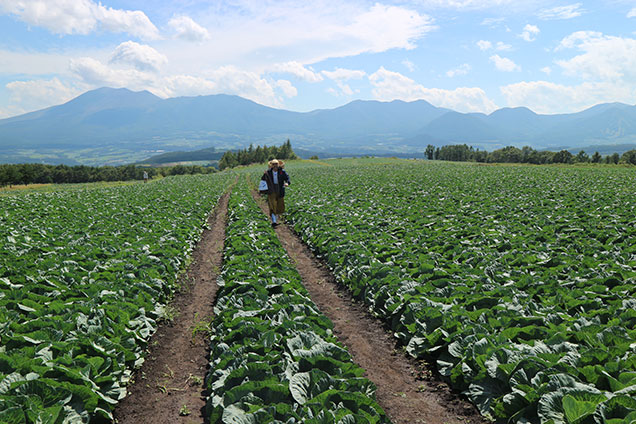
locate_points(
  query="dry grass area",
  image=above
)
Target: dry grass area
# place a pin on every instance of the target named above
(23, 186)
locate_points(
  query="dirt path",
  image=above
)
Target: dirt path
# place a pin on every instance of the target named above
(169, 386)
(405, 388)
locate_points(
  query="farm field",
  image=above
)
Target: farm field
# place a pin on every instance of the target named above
(85, 273)
(274, 357)
(518, 282)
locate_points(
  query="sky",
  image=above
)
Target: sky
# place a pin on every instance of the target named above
(466, 55)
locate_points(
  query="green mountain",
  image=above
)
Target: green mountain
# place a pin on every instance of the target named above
(115, 126)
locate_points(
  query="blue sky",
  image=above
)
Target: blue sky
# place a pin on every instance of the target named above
(467, 55)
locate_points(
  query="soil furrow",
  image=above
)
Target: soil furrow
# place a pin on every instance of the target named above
(169, 386)
(406, 388)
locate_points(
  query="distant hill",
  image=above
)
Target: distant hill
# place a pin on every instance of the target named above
(209, 155)
(603, 150)
(114, 126)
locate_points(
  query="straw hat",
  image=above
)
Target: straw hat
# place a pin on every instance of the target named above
(273, 162)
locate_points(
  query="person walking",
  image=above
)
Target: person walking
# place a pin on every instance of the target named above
(276, 179)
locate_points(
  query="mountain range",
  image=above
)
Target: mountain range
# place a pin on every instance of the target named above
(114, 126)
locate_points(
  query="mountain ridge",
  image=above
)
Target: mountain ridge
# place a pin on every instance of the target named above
(112, 126)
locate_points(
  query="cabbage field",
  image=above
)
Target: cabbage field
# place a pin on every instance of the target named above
(274, 356)
(85, 273)
(518, 282)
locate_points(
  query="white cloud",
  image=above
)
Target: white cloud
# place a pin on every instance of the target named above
(132, 22)
(487, 45)
(232, 80)
(346, 90)
(298, 70)
(95, 73)
(343, 90)
(186, 29)
(579, 37)
(548, 97)
(504, 64)
(603, 58)
(287, 88)
(224, 80)
(389, 85)
(632, 13)
(472, 4)
(605, 68)
(400, 27)
(253, 33)
(27, 96)
(460, 70)
(409, 65)
(484, 45)
(546, 70)
(61, 17)
(561, 12)
(344, 74)
(530, 32)
(502, 46)
(184, 85)
(141, 57)
(340, 75)
(80, 17)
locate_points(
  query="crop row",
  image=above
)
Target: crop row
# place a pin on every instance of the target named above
(519, 282)
(274, 358)
(84, 275)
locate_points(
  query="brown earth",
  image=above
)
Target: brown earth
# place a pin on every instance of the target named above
(407, 390)
(169, 388)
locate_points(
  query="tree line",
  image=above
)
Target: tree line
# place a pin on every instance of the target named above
(256, 154)
(510, 154)
(35, 173)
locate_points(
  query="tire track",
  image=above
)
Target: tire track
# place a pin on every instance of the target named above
(405, 388)
(169, 387)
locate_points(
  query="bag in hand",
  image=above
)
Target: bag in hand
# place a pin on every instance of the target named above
(262, 187)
